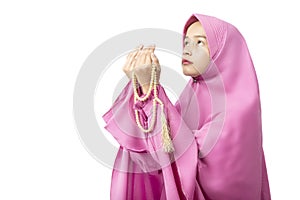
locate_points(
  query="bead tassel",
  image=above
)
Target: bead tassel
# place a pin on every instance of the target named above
(166, 140)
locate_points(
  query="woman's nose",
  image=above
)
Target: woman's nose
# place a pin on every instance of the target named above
(186, 52)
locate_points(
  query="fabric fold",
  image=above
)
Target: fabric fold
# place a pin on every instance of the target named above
(133, 162)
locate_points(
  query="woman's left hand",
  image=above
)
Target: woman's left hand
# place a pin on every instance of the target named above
(143, 69)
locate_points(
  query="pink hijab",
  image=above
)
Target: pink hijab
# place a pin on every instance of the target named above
(228, 130)
(215, 128)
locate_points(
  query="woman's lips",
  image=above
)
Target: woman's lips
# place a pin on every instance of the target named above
(186, 62)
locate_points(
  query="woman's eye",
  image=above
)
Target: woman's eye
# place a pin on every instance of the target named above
(200, 42)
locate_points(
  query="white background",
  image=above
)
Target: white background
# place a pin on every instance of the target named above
(43, 45)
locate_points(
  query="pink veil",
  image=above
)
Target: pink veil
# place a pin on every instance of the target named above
(229, 129)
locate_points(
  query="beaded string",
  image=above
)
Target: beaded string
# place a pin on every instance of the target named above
(166, 140)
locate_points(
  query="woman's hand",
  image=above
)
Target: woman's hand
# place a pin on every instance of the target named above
(131, 60)
(143, 67)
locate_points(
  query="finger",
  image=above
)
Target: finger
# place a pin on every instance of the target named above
(154, 59)
(133, 57)
(138, 57)
(142, 57)
(133, 63)
(148, 60)
(139, 50)
(140, 47)
(133, 53)
(152, 48)
(136, 49)
(128, 62)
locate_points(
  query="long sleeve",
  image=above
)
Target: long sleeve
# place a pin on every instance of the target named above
(141, 154)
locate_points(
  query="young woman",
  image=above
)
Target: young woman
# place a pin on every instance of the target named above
(206, 146)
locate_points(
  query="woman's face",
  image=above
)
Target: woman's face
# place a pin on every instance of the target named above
(195, 57)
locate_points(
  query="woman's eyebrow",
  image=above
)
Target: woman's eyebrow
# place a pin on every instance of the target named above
(200, 36)
(196, 36)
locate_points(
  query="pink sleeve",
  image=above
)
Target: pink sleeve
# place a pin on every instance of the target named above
(145, 149)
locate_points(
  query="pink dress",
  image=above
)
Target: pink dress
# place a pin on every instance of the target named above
(215, 128)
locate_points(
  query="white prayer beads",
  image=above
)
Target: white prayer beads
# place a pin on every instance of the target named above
(166, 140)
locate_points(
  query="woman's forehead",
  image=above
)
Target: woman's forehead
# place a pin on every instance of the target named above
(195, 30)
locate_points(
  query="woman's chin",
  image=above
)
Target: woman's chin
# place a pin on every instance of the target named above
(189, 72)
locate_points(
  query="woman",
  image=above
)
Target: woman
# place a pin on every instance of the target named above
(213, 149)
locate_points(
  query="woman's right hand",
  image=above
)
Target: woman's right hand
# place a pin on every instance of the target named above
(130, 61)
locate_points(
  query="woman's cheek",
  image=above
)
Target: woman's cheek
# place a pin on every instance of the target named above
(200, 59)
